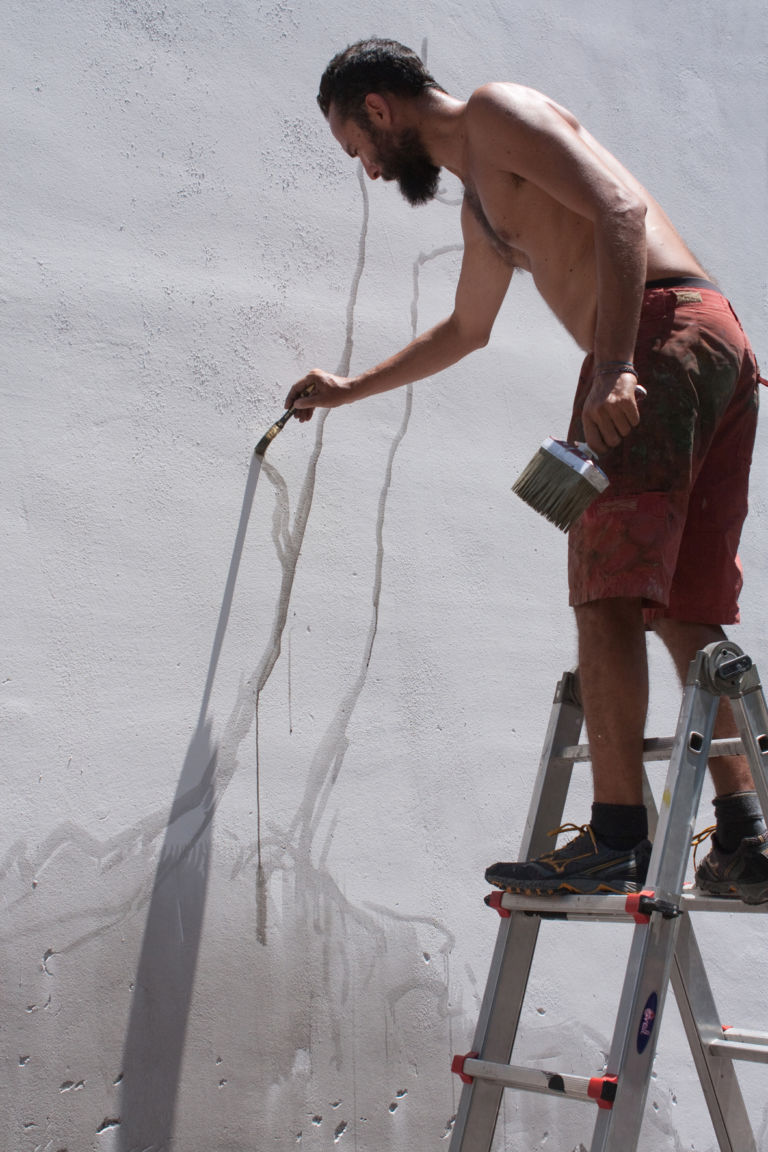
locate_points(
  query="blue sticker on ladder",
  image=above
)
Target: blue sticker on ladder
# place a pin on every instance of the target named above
(647, 1022)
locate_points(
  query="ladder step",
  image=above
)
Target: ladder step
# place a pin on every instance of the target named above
(741, 1044)
(600, 1089)
(609, 907)
(654, 748)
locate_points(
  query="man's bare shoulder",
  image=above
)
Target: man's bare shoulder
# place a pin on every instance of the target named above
(504, 102)
(504, 96)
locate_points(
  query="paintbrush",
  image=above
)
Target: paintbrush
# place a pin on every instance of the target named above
(561, 481)
(278, 425)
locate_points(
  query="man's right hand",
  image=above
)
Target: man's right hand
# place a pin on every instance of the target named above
(318, 390)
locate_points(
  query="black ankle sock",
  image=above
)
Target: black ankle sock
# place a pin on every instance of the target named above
(619, 826)
(738, 815)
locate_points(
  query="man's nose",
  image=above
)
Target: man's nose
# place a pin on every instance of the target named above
(372, 171)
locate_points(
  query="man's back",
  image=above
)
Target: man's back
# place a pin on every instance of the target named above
(531, 172)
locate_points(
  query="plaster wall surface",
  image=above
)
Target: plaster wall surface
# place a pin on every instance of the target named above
(263, 729)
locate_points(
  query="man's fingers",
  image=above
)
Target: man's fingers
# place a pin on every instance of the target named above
(597, 441)
(295, 394)
(303, 399)
(606, 429)
(317, 390)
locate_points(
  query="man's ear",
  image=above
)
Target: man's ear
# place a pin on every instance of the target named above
(379, 109)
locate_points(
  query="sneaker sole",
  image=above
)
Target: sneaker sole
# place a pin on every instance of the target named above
(580, 887)
(747, 893)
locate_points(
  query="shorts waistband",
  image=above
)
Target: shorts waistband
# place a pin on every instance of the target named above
(682, 282)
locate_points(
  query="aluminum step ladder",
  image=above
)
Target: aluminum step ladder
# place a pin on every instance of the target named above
(664, 947)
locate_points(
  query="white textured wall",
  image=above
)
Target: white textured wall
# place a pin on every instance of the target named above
(251, 779)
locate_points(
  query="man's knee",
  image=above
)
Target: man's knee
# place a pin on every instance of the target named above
(612, 609)
(684, 638)
(674, 632)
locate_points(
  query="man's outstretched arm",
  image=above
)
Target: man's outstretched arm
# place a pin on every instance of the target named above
(482, 285)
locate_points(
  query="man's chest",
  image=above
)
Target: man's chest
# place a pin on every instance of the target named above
(520, 219)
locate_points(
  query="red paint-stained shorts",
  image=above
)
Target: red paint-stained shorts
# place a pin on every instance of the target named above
(667, 529)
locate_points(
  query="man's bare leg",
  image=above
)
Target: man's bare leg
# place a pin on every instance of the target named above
(611, 853)
(683, 640)
(613, 674)
(737, 863)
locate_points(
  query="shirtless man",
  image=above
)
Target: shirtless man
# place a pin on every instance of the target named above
(544, 196)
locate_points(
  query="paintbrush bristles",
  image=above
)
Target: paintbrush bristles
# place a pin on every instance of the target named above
(560, 482)
(269, 436)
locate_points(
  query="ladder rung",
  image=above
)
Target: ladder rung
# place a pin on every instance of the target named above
(655, 748)
(693, 901)
(569, 907)
(601, 1089)
(613, 908)
(741, 1044)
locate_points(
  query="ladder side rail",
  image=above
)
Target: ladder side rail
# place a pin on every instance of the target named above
(480, 1100)
(683, 785)
(653, 945)
(550, 791)
(700, 1018)
(701, 1022)
(502, 1004)
(751, 714)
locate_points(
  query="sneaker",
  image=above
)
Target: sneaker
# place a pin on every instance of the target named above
(583, 866)
(742, 874)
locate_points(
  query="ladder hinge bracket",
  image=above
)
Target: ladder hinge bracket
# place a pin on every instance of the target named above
(602, 1089)
(640, 905)
(457, 1066)
(493, 900)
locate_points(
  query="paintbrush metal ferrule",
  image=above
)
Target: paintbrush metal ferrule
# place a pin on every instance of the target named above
(269, 436)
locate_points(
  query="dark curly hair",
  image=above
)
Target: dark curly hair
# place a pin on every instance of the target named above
(371, 66)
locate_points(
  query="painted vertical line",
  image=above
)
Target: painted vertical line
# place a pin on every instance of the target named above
(329, 757)
(290, 694)
(261, 878)
(289, 556)
(258, 806)
(346, 356)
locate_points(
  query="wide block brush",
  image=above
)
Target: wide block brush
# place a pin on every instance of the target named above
(561, 481)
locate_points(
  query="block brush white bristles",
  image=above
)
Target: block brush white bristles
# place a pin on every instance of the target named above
(561, 482)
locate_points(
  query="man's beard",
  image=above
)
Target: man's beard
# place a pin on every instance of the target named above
(405, 159)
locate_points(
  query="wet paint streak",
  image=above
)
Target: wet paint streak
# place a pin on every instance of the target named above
(288, 545)
(330, 755)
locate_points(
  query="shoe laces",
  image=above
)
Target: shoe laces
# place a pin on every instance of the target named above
(699, 838)
(580, 829)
